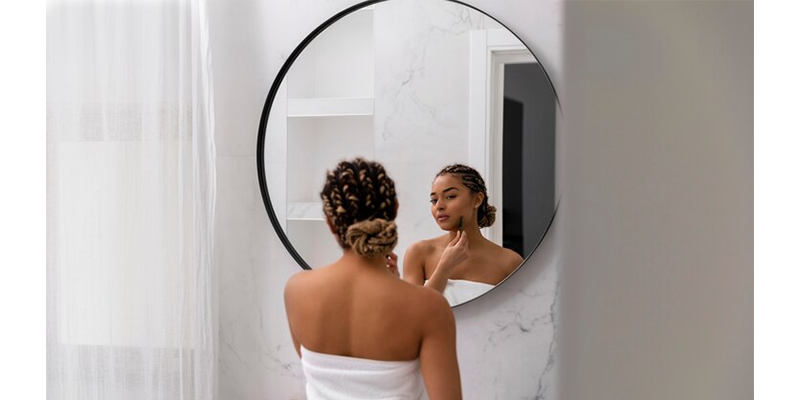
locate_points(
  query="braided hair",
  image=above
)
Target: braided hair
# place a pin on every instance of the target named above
(359, 200)
(472, 179)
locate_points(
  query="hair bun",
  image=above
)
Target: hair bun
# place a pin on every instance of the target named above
(372, 237)
(487, 219)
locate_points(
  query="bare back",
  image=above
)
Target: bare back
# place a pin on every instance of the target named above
(363, 311)
(370, 315)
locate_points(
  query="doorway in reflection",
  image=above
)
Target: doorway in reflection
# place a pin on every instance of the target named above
(529, 112)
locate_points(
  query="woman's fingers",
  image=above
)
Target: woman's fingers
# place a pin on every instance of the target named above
(462, 243)
(455, 239)
(462, 240)
(391, 263)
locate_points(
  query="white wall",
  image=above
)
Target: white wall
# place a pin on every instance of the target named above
(505, 340)
(657, 249)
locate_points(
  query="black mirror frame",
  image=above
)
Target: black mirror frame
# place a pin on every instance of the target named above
(262, 129)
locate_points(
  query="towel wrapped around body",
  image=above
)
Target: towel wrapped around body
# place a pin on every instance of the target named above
(335, 377)
(459, 291)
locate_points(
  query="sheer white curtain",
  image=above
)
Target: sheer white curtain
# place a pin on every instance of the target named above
(131, 299)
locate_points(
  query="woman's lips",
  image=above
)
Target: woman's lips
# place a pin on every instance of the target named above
(442, 218)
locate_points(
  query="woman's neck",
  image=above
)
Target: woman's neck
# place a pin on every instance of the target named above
(353, 259)
(474, 236)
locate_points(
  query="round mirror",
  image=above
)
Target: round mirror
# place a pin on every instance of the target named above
(415, 85)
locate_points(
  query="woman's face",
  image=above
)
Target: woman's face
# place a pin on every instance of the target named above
(451, 200)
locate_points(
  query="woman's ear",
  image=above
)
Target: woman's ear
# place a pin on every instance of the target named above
(478, 199)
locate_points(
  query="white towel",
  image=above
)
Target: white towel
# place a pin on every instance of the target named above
(334, 377)
(459, 291)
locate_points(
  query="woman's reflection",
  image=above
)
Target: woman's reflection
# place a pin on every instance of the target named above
(461, 264)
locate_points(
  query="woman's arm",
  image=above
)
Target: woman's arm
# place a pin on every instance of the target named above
(290, 296)
(414, 264)
(438, 359)
(438, 281)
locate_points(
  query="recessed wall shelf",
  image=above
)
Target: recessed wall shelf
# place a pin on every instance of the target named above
(329, 107)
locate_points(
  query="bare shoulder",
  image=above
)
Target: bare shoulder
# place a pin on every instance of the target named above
(414, 262)
(508, 258)
(297, 284)
(511, 257)
(428, 302)
(305, 279)
(511, 260)
(434, 309)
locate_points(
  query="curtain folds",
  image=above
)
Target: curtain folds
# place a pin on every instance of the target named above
(131, 189)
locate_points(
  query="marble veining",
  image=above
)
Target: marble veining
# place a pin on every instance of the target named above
(545, 377)
(421, 79)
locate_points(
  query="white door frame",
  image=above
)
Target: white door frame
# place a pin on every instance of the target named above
(490, 50)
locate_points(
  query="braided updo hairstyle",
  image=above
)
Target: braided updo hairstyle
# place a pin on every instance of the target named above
(472, 179)
(360, 202)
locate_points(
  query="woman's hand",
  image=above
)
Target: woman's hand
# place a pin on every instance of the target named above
(391, 264)
(456, 252)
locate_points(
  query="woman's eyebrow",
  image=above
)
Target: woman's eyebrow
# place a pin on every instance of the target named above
(445, 191)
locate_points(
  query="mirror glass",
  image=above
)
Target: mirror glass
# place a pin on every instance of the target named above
(415, 85)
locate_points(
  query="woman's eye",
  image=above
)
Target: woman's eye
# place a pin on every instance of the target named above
(433, 201)
(451, 197)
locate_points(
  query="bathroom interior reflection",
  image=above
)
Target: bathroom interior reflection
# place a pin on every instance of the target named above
(415, 86)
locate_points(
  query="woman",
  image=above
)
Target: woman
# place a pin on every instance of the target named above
(461, 264)
(360, 331)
